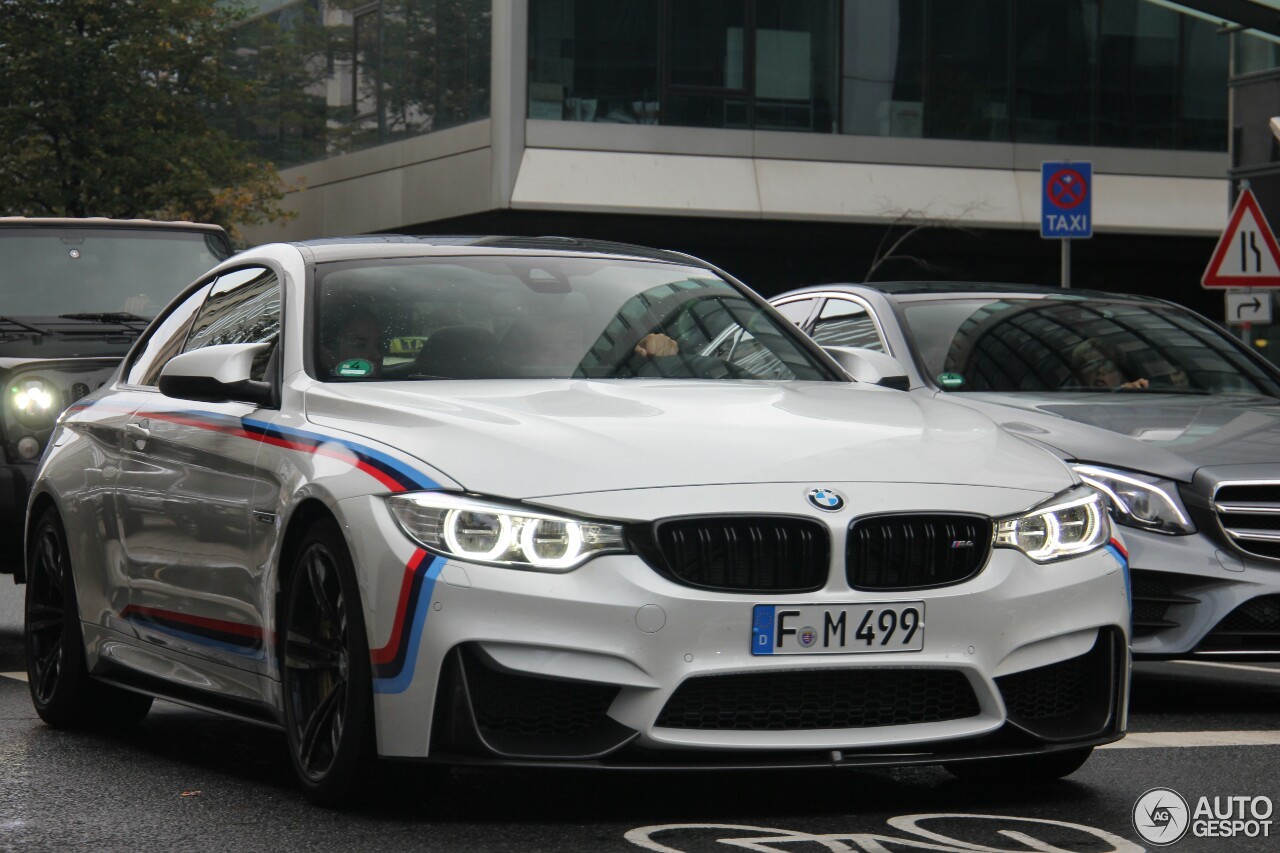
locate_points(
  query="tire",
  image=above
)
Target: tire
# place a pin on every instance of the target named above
(1023, 769)
(63, 693)
(326, 672)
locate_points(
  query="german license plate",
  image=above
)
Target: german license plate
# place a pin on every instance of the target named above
(888, 626)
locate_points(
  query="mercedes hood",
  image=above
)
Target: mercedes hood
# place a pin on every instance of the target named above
(1169, 435)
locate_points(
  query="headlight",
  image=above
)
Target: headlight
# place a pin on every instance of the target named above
(1137, 500)
(34, 401)
(485, 532)
(1070, 524)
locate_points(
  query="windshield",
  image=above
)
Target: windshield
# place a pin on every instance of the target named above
(1074, 344)
(53, 271)
(513, 317)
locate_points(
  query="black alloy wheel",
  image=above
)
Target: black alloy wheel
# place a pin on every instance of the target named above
(63, 693)
(326, 672)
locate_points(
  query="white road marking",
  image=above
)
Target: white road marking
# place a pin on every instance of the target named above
(677, 837)
(16, 676)
(1239, 666)
(1164, 740)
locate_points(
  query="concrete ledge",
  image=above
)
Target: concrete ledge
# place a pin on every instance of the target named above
(762, 188)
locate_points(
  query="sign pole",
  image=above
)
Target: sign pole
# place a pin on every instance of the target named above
(1066, 207)
(1066, 264)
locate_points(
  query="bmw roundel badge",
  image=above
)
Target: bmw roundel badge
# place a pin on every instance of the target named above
(826, 499)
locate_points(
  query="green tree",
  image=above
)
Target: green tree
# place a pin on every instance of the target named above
(111, 108)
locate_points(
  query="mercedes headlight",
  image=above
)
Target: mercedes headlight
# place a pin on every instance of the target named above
(1070, 524)
(485, 532)
(34, 401)
(1137, 500)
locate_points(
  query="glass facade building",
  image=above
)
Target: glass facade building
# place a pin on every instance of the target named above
(1121, 73)
(739, 130)
(333, 76)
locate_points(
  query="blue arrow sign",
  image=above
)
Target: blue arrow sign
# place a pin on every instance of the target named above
(1066, 200)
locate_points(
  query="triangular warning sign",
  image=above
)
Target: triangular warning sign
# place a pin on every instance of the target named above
(1247, 254)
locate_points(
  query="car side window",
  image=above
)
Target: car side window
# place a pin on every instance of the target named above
(166, 341)
(243, 308)
(842, 323)
(796, 311)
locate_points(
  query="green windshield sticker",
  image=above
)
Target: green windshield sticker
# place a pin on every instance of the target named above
(353, 367)
(950, 380)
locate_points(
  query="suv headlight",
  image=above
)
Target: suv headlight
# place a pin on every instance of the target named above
(1137, 500)
(35, 402)
(1073, 523)
(486, 532)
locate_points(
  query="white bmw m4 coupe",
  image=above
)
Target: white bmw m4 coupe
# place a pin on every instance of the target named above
(555, 502)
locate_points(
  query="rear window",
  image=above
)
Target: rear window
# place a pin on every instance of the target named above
(1077, 344)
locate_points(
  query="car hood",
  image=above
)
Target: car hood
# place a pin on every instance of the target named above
(537, 438)
(1170, 435)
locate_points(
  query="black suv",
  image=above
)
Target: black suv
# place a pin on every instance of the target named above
(74, 296)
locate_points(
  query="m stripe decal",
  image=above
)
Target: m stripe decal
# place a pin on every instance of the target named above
(1117, 550)
(394, 663)
(390, 472)
(235, 637)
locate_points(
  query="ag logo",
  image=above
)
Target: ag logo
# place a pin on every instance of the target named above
(827, 499)
(1161, 816)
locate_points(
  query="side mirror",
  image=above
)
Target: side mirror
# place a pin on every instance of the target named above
(866, 365)
(216, 374)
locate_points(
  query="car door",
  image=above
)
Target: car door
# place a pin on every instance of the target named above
(185, 494)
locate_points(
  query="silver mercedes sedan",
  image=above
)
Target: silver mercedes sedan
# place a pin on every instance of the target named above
(1170, 416)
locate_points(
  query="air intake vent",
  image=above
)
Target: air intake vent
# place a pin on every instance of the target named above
(891, 552)
(1252, 627)
(819, 699)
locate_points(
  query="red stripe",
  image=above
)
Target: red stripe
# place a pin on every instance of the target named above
(182, 420)
(237, 628)
(381, 476)
(1115, 543)
(388, 652)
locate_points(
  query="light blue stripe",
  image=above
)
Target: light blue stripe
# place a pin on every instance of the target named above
(400, 683)
(1124, 565)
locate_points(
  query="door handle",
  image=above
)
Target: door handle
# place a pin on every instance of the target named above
(138, 432)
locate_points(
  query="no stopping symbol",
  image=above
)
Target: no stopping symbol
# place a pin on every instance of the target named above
(1067, 189)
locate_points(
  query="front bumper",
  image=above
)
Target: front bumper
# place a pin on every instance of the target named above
(504, 665)
(1195, 598)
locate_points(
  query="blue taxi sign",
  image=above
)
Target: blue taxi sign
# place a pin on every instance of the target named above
(1066, 200)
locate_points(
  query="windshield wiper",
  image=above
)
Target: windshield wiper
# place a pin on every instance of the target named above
(26, 327)
(106, 317)
(1187, 392)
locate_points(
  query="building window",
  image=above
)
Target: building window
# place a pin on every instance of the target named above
(1128, 73)
(365, 62)
(332, 76)
(765, 64)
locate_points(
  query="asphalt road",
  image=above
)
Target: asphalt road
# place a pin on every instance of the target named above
(189, 780)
